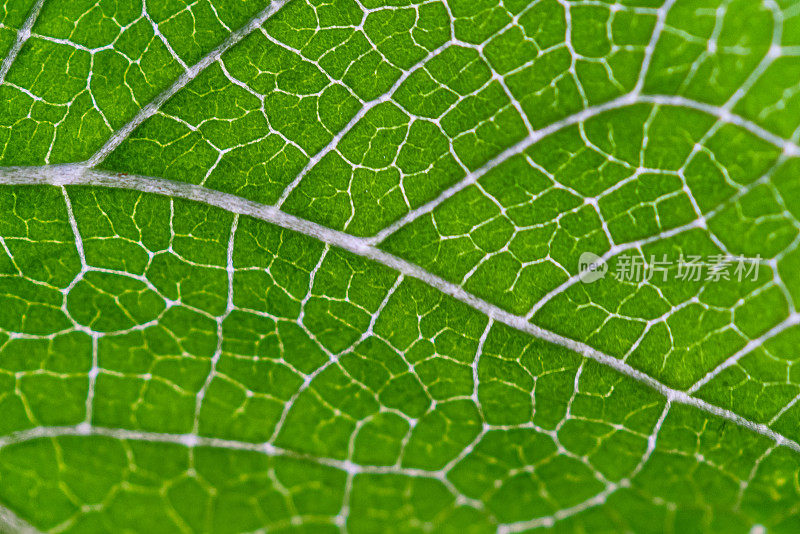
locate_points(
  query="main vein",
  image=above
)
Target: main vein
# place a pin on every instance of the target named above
(77, 175)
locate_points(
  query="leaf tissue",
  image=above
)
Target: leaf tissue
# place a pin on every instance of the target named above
(372, 266)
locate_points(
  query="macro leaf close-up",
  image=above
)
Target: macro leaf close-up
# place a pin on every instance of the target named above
(367, 266)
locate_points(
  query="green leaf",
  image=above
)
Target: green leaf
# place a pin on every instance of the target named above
(321, 267)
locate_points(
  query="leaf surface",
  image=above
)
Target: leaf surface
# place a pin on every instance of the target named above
(310, 266)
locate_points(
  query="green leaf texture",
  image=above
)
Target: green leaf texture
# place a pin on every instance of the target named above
(313, 266)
